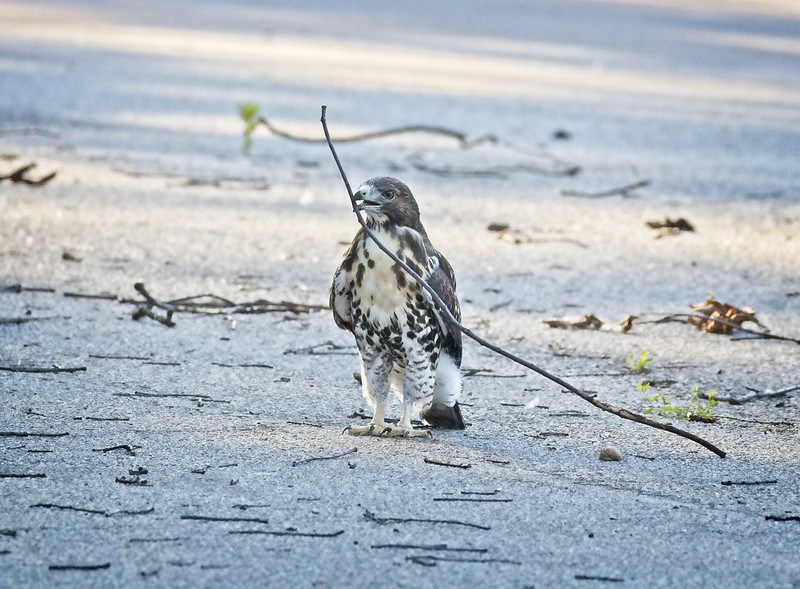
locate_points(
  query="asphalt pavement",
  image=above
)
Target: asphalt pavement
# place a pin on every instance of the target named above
(210, 453)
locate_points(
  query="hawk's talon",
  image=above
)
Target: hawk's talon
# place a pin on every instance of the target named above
(371, 429)
(386, 430)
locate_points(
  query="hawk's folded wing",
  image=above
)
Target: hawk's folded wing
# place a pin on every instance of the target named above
(341, 299)
(443, 281)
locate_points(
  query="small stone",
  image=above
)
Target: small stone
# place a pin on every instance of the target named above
(609, 454)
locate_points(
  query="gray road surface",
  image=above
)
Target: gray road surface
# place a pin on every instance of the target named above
(221, 419)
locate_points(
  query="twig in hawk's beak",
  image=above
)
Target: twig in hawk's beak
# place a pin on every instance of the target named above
(449, 318)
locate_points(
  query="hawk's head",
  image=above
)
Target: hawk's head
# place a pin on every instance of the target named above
(384, 199)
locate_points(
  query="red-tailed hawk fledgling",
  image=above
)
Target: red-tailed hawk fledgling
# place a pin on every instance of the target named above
(402, 341)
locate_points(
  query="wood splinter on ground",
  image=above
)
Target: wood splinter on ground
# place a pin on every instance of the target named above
(464, 465)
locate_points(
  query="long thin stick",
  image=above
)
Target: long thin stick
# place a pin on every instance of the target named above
(624, 413)
(462, 139)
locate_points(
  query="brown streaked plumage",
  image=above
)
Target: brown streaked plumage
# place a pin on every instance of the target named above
(402, 341)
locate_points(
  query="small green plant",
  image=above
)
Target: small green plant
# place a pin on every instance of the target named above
(663, 404)
(639, 365)
(248, 112)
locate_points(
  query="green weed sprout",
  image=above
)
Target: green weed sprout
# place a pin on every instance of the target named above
(663, 404)
(248, 112)
(639, 365)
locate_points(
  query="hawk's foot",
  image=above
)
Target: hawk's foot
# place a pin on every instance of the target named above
(398, 431)
(386, 430)
(371, 429)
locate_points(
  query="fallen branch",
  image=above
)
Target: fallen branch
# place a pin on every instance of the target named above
(552, 165)
(306, 424)
(198, 397)
(765, 394)
(129, 448)
(327, 348)
(224, 365)
(464, 465)
(564, 169)
(782, 518)
(623, 191)
(458, 136)
(209, 304)
(430, 560)
(432, 547)
(134, 481)
(146, 511)
(450, 319)
(21, 320)
(290, 533)
(21, 175)
(599, 578)
(79, 567)
(209, 518)
(18, 288)
(420, 520)
(472, 500)
(34, 370)
(153, 540)
(759, 421)
(112, 357)
(519, 236)
(70, 508)
(316, 458)
(32, 435)
(487, 373)
(100, 296)
(697, 318)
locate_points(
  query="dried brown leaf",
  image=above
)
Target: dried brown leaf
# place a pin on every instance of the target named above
(626, 324)
(670, 226)
(585, 322)
(716, 317)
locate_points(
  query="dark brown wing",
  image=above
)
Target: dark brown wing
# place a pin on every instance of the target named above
(443, 281)
(340, 297)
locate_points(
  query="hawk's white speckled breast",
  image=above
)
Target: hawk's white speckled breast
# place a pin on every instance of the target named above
(378, 290)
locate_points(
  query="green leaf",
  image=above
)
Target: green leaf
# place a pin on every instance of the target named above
(248, 112)
(637, 365)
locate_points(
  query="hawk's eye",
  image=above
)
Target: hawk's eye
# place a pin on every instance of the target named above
(389, 195)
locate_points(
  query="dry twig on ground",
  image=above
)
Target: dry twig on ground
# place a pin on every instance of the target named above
(624, 191)
(540, 162)
(460, 137)
(209, 304)
(751, 396)
(21, 175)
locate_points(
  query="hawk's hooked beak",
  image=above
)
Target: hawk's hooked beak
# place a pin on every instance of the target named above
(362, 202)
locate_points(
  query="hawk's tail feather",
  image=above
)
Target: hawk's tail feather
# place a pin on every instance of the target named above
(439, 415)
